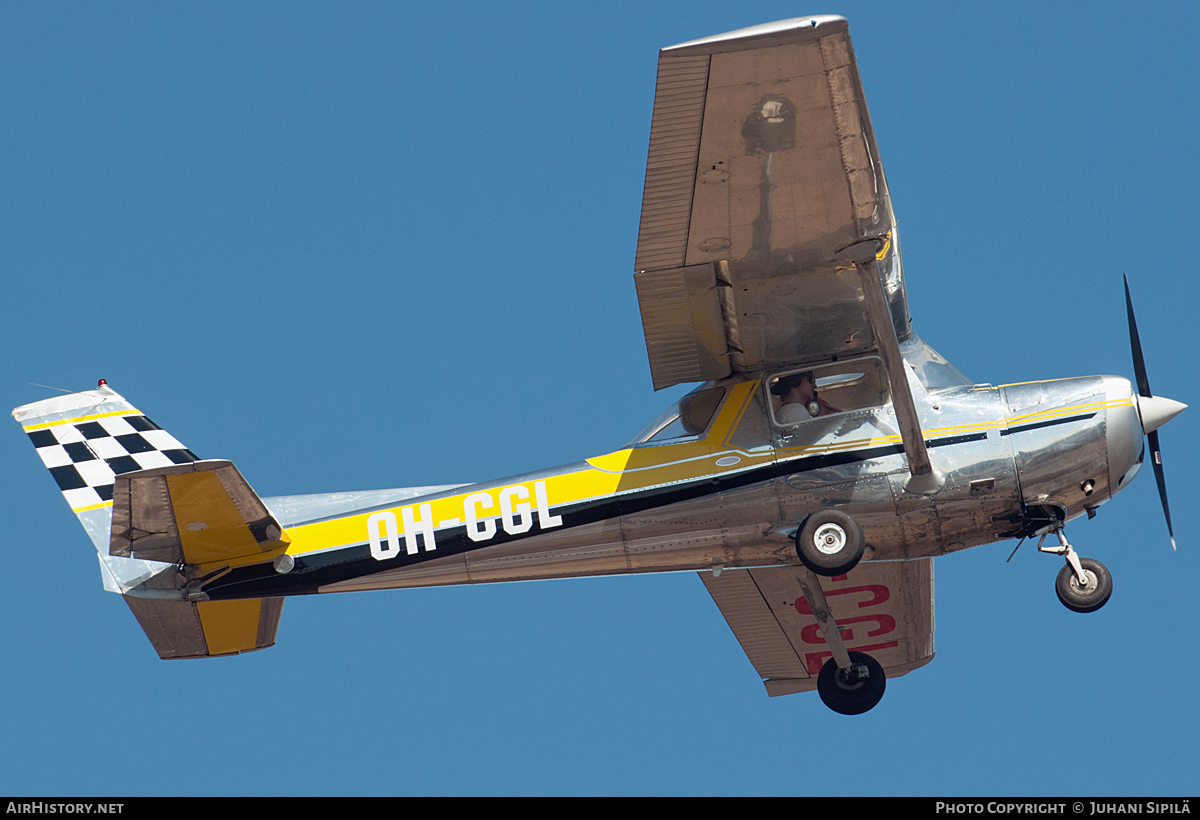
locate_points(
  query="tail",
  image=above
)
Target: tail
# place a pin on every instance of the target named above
(89, 439)
(85, 440)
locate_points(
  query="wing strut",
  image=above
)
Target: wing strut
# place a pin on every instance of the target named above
(924, 480)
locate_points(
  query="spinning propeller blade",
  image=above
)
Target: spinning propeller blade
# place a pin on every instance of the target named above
(1154, 411)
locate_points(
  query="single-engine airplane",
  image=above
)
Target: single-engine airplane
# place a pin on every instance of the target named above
(827, 455)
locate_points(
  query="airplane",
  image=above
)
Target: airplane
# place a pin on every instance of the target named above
(825, 457)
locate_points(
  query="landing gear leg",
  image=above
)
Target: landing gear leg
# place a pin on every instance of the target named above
(850, 683)
(1084, 584)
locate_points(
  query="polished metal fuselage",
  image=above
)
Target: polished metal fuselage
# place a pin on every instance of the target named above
(1014, 457)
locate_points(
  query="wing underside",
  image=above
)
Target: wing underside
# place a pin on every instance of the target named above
(882, 608)
(762, 167)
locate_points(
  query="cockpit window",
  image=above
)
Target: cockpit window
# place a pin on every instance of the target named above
(823, 391)
(687, 419)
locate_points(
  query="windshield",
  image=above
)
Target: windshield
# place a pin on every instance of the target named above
(931, 368)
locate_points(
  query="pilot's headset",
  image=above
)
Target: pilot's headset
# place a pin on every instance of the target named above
(784, 384)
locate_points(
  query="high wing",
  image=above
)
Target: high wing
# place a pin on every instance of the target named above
(885, 608)
(762, 169)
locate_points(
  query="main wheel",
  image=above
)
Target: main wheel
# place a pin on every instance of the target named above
(1084, 597)
(830, 543)
(853, 691)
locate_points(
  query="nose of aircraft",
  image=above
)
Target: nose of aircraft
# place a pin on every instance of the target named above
(1153, 411)
(1157, 411)
(1123, 432)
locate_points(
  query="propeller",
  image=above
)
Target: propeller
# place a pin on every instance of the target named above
(1155, 411)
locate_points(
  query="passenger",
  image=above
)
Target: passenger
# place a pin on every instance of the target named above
(800, 400)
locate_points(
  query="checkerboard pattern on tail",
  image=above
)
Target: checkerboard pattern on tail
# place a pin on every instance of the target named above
(85, 453)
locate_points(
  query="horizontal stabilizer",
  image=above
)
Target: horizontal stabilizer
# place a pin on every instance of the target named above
(196, 513)
(183, 629)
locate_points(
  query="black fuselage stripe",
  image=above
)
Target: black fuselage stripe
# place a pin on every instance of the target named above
(1024, 428)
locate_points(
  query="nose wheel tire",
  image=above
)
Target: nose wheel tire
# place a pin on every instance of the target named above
(1084, 597)
(830, 543)
(851, 691)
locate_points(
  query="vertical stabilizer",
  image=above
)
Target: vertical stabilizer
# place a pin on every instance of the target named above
(85, 440)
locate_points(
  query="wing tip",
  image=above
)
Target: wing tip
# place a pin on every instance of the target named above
(764, 34)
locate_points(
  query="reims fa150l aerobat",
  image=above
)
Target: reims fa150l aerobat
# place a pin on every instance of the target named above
(827, 455)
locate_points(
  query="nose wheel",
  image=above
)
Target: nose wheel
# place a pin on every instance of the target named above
(1091, 594)
(1084, 584)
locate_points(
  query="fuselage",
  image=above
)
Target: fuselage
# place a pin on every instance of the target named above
(728, 487)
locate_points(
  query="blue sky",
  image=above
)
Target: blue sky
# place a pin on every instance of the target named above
(392, 244)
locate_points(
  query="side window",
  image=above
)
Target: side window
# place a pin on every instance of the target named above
(800, 395)
(697, 409)
(686, 419)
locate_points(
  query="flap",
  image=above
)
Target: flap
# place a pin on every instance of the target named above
(183, 629)
(883, 608)
(681, 316)
(195, 513)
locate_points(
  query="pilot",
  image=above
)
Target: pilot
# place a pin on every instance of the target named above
(800, 400)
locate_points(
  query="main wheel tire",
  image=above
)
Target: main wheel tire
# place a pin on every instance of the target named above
(846, 694)
(830, 543)
(1087, 598)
